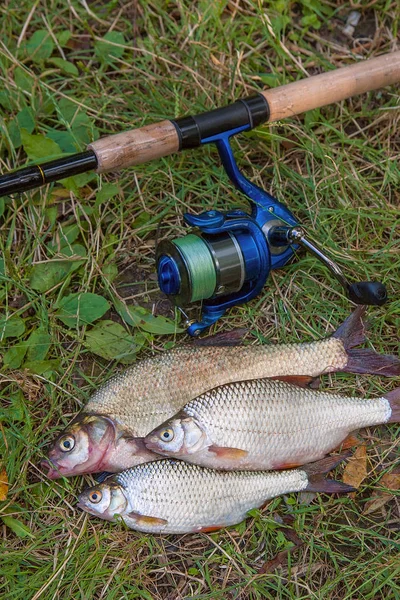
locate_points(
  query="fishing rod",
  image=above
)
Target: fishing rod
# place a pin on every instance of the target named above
(227, 260)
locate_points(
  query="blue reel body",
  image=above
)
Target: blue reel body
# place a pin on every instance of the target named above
(238, 244)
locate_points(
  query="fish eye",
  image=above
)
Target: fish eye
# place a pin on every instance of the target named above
(67, 443)
(167, 435)
(95, 496)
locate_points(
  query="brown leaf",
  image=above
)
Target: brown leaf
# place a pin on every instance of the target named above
(356, 469)
(3, 484)
(278, 561)
(379, 498)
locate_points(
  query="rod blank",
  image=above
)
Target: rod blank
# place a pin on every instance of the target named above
(137, 146)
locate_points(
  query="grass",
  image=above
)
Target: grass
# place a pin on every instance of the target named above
(337, 168)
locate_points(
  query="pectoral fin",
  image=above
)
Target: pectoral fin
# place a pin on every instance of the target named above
(147, 521)
(228, 453)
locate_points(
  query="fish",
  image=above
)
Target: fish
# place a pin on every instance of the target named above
(107, 435)
(170, 496)
(266, 424)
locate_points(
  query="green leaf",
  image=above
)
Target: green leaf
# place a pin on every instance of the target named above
(142, 318)
(64, 237)
(12, 326)
(38, 146)
(23, 79)
(17, 527)
(15, 411)
(110, 340)
(110, 271)
(40, 46)
(64, 37)
(66, 67)
(25, 119)
(14, 357)
(46, 275)
(81, 308)
(107, 191)
(42, 367)
(107, 51)
(38, 345)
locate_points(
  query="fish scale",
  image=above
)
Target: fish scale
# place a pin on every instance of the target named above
(264, 424)
(107, 435)
(151, 391)
(172, 491)
(170, 496)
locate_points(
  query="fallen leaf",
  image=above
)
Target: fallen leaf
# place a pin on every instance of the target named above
(356, 469)
(380, 497)
(3, 484)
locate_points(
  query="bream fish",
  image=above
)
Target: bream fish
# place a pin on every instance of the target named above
(169, 496)
(107, 435)
(266, 424)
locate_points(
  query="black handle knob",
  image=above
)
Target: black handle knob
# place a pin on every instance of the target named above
(367, 292)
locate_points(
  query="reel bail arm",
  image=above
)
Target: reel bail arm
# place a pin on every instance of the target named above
(371, 293)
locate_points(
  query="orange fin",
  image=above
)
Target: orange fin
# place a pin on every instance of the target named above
(147, 521)
(299, 380)
(348, 442)
(209, 528)
(288, 465)
(228, 453)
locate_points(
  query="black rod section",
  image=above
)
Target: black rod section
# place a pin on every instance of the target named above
(32, 177)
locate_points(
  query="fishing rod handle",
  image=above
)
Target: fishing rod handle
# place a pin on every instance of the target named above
(153, 141)
(333, 86)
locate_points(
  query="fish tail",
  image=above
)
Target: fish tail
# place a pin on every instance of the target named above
(317, 481)
(393, 398)
(352, 330)
(364, 360)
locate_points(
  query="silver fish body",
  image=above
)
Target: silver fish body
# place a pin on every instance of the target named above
(169, 496)
(264, 424)
(107, 435)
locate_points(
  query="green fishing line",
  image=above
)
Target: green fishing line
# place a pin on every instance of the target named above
(200, 265)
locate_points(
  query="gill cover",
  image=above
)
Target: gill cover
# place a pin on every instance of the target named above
(180, 435)
(81, 446)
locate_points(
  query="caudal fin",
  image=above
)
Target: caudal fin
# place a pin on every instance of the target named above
(352, 330)
(364, 360)
(393, 398)
(317, 481)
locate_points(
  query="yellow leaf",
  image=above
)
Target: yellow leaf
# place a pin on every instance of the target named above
(3, 484)
(356, 469)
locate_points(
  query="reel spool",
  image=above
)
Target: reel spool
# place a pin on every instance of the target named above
(226, 260)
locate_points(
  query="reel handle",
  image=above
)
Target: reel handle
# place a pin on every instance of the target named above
(371, 293)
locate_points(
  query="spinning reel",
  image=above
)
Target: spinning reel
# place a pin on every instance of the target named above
(228, 258)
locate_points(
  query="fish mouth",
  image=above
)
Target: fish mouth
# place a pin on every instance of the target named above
(53, 471)
(152, 445)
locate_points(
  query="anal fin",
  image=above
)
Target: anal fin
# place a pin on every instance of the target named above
(209, 528)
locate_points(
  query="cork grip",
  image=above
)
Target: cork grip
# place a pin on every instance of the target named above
(319, 90)
(136, 146)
